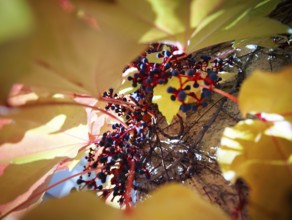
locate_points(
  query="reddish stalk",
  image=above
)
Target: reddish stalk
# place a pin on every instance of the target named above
(225, 94)
(129, 188)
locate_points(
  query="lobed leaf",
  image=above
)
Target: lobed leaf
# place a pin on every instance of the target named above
(192, 25)
(67, 53)
(166, 106)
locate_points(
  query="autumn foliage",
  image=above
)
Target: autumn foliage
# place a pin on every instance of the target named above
(79, 79)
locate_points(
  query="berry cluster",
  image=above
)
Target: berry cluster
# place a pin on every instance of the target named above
(110, 162)
(118, 148)
(190, 73)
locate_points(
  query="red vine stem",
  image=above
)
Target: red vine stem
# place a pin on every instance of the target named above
(129, 188)
(227, 95)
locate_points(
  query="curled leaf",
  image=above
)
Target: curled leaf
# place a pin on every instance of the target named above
(252, 150)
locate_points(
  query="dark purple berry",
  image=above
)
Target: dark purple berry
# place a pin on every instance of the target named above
(185, 107)
(188, 87)
(206, 93)
(172, 97)
(174, 72)
(166, 53)
(181, 95)
(79, 181)
(130, 78)
(190, 72)
(167, 65)
(170, 89)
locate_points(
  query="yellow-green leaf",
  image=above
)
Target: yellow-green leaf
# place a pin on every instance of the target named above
(266, 42)
(196, 24)
(66, 54)
(15, 19)
(267, 92)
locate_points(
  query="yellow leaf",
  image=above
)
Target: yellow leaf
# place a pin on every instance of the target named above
(78, 205)
(170, 202)
(267, 92)
(249, 140)
(66, 54)
(270, 189)
(260, 152)
(166, 106)
(174, 201)
(43, 132)
(126, 85)
(18, 182)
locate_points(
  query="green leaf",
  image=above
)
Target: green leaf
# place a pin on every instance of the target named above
(266, 42)
(232, 22)
(15, 20)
